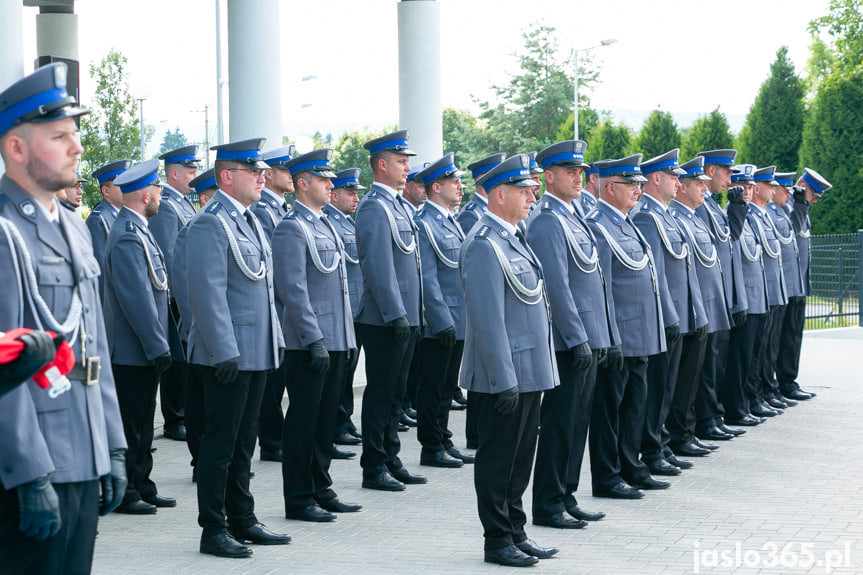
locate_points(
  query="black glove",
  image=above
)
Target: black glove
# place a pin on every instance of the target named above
(505, 402)
(351, 356)
(614, 358)
(735, 195)
(701, 333)
(114, 483)
(39, 350)
(672, 333)
(320, 357)
(226, 371)
(799, 193)
(739, 318)
(447, 337)
(402, 329)
(581, 356)
(162, 363)
(601, 354)
(39, 509)
(281, 357)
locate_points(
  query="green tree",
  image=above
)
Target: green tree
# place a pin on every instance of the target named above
(609, 141)
(588, 120)
(844, 26)
(464, 135)
(710, 132)
(774, 124)
(832, 145)
(110, 132)
(658, 135)
(348, 152)
(173, 140)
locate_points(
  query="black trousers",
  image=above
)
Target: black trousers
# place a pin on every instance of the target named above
(172, 386)
(707, 405)
(438, 382)
(617, 421)
(504, 461)
(790, 342)
(564, 421)
(387, 364)
(194, 412)
(230, 428)
(758, 376)
(136, 394)
(346, 404)
(471, 433)
(414, 374)
(70, 551)
(769, 383)
(734, 392)
(272, 419)
(307, 437)
(662, 380)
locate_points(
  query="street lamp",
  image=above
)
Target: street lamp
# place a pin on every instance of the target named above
(605, 42)
(141, 108)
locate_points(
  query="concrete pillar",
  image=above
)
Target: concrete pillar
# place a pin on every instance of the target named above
(254, 78)
(419, 76)
(57, 40)
(11, 43)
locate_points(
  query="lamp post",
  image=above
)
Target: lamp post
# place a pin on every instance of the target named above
(605, 42)
(141, 109)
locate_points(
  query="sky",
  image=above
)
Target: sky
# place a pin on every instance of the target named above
(683, 56)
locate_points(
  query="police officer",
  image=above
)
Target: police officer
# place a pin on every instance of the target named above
(508, 359)
(617, 420)
(56, 449)
(440, 240)
(590, 193)
(102, 217)
(390, 311)
(270, 210)
(181, 167)
(682, 310)
(235, 339)
(583, 332)
(478, 204)
(136, 322)
(311, 281)
(344, 199)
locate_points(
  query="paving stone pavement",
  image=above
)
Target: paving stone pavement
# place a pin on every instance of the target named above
(789, 494)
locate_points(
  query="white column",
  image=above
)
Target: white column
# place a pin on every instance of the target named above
(57, 35)
(254, 78)
(419, 76)
(12, 50)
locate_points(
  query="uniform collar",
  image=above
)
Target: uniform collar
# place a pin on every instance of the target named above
(506, 225)
(441, 209)
(137, 217)
(307, 208)
(612, 208)
(53, 216)
(480, 199)
(272, 195)
(388, 190)
(240, 207)
(173, 192)
(650, 198)
(570, 208)
(681, 206)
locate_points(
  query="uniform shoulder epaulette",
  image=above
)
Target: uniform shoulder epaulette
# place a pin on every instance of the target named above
(291, 215)
(483, 232)
(97, 211)
(262, 203)
(3, 200)
(130, 226)
(773, 207)
(67, 205)
(594, 215)
(213, 207)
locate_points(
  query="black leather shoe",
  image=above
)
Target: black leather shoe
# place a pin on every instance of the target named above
(456, 406)
(511, 556)
(459, 398)
(620, 491)
(797, 394)
(342, 454)
(681, 463)
(337, 506)
(267, 455)
(662, 467)
(224, 545)
(580, 513)
(464, 457)
(402, 428)
(347, 439)
(260, 535)
(776, 404)
(531, 548)
(175, 432)
(439, 459)
(761, 409)
(309, 513)
(139, 507)
(558, 520)
(735, 432)
(649, 483)
(746, 421)
(160, 501)
(688, 449)
(405, 419)
(356, 434)
(411, 412)
(713, 434)
(406, 477)
(782, 399)
(708, 446)
(383, 482)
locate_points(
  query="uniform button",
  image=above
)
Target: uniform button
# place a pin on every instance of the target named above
(86, 309)
(58, 278)
(516, 346)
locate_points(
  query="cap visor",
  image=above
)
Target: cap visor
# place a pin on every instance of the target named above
(70, 111)
(523, 183)
(323, 173)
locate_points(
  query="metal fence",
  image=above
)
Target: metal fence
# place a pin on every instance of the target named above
(836, 287)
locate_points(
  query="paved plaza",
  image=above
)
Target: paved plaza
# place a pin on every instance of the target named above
(789, 494)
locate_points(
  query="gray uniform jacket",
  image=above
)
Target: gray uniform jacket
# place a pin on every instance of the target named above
(136, 293)
(392, 282)
(587, 201)
(440, 239)
(270, 211)
(635, 293)
(507, 341)
(347, 231)
(181, 292)
(803, 229)
(311, 282)
(753, 267)
(677, 277)
(68, 436)
(780, 216)
(771, 254)
(175, 212)
(471, 213)
(232, 315)
(99, 223)
(705, 259)
(577, 292)
(726, 239)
